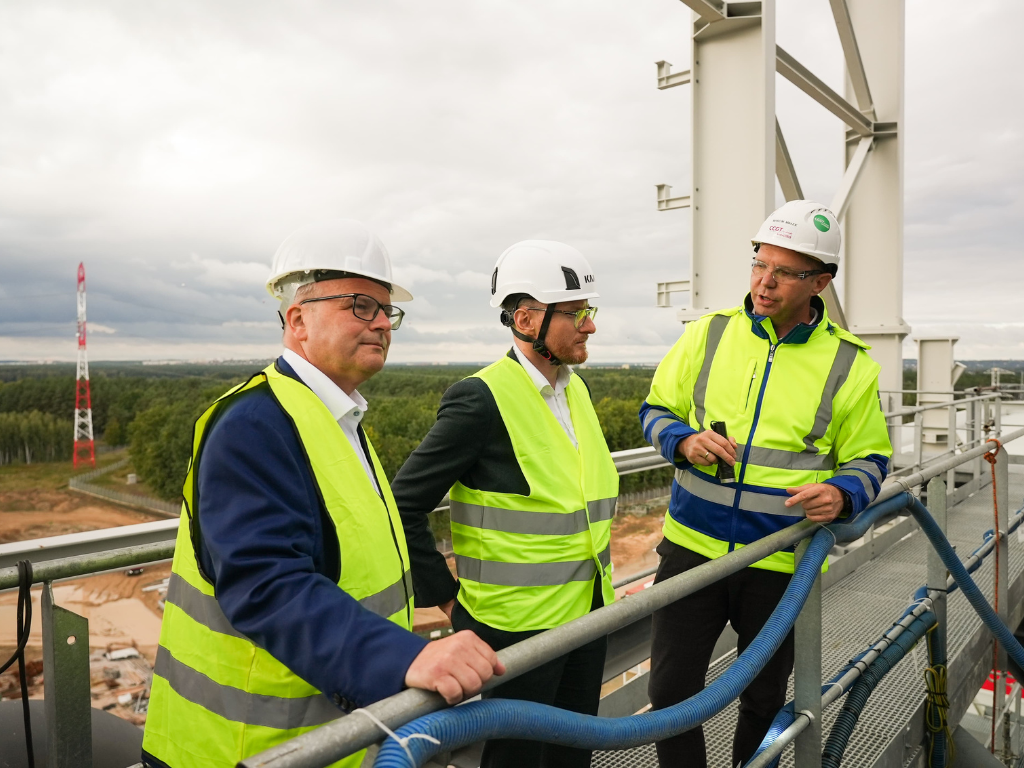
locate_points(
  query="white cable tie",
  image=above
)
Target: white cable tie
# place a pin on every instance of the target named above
(402, 742)
(906, 486)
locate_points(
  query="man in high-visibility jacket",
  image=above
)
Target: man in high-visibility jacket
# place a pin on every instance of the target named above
(290, 598)
(533, 491)
(805, 437)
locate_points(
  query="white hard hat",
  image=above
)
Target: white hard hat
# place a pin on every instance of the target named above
(328, 250)
(547, 270)
(805, 227)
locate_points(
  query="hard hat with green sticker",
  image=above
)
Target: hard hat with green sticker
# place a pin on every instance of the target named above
(821, 222)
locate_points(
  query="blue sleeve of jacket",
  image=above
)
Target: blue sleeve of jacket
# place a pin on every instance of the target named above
(861, 479)
(664, 430)
(264, 549)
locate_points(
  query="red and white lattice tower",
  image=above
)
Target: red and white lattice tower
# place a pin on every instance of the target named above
(85, 448)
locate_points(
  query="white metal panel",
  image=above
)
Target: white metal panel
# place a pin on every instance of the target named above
(873, 225)
(733, 93)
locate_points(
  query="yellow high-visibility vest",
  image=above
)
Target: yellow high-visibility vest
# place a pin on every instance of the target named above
(798, 409)
(217, 698)
(529, 562)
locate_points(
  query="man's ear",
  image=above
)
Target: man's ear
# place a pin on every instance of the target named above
(524, 321)
(295, 322)
(821, 283)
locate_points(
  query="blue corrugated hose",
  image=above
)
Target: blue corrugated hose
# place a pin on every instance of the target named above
(506, 718)
(511, 719)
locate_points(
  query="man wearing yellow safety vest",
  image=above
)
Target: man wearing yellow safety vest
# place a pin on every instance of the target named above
(533, 491)
(290, 599)
(770, 413)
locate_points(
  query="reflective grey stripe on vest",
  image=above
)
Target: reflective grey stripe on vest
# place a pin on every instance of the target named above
(864, 481)
(604, 557)
(524, 574)
(842, 364)
(198, 606)
(777, 458)
(763, 503)
(519, 521)
(601, 509)
(660, 418)
(863, 470)
(864, 465)
(391, 599)
(700, 387)
(241, 706)
(204, 609)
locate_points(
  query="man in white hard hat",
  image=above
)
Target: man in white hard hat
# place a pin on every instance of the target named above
(770, 413)
(290, 599)
(532, 487)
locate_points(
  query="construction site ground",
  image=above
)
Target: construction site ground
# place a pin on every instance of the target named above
(125, 611)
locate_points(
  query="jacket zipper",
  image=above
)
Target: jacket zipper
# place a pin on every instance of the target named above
(750, 442)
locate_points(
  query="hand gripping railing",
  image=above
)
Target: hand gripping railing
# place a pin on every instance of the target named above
(348, 735)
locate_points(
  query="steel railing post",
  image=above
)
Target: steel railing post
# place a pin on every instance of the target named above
(1002, 577)
(974, 435)
(918, 439)
(951, 444)
(937, 573)
(66, 694)
(807, 673)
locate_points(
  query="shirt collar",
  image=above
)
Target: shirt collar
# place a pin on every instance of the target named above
(539, 379)
(338, 403)
(799, 335)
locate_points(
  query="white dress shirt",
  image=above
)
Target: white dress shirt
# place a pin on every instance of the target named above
(555, 396)
(347, 410)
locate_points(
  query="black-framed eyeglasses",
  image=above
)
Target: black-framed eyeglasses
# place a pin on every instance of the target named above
(366, 307)
(781, 274)
(579, 315)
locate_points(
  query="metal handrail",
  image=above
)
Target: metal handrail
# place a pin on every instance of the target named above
(935, 406)
(166, 531)
(347, 735)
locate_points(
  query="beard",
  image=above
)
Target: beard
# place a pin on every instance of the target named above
(571, 354)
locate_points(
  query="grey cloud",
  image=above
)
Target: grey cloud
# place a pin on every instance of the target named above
(173, 146)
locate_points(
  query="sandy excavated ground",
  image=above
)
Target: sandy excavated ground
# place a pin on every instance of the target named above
(120, 614)
(39, 513)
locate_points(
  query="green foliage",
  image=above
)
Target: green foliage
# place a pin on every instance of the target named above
(161, 435)
(33, 437)
(153, 409)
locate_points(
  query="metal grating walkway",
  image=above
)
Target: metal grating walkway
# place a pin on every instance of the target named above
(857, 611)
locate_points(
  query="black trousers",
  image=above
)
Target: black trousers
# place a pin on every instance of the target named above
(684, 637)
(571, 682)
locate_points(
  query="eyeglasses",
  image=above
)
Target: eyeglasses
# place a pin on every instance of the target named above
(781, 274)
(366, 307)
(579, 315)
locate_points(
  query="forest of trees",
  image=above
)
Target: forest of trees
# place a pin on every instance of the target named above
(152, 408)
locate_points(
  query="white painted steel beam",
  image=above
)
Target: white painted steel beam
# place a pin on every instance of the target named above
(665, 200)
(669, 79)
(842, 196)
(784, 169)
(733, 134)
(665, 291)
(709, 10)
(813, 86)
(873, 224)
(854, 64)
(791, 190)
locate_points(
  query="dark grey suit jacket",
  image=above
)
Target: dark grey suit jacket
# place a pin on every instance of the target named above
(469, 444)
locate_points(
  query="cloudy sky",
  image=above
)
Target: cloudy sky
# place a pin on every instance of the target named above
(173, 145)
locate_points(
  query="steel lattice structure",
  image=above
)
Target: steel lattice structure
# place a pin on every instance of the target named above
(85, 447)
(739, 151)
